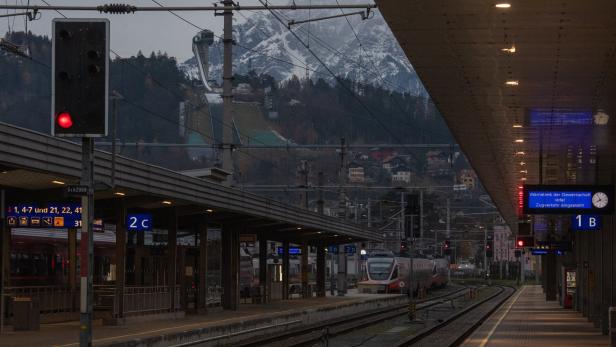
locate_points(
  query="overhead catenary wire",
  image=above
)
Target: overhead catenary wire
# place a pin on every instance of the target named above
(115, 8)
(161, 85)
(337, 78)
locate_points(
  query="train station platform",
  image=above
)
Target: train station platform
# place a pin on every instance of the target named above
(526, 319)
(215, 326)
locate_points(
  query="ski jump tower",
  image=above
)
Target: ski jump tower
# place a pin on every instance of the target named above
(201, 49)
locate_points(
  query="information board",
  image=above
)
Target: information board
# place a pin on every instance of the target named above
(53, 215)
(292, 250)
(350, 249)
(585, 222)
(139, 221)
(568, 199)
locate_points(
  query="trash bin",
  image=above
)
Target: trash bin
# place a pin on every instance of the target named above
(26, 312)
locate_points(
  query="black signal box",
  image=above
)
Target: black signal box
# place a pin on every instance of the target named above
(80, 77)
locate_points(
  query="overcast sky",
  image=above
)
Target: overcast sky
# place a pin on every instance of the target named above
(149, 31)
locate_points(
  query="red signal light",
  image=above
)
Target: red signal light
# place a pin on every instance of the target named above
(520, 243)
(64, 120)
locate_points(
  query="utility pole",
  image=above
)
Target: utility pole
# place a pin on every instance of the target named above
(320, 201)
(227, 92)
(421, 213)
(448, 237)
(342, 259)
(369, 214)
(87, 215)
(304, 170)
(114, 134)
(341, 180)
(485, 252)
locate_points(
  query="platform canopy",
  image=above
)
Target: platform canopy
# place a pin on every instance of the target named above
(516, 80)
(30, 162)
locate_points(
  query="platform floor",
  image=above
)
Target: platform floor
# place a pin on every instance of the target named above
(527, 319)
(67, 334)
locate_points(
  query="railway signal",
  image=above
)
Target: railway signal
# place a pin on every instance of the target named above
(80, 70)
(446, 247)
(524, 242)
(489, 249)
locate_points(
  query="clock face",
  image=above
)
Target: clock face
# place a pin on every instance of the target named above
(599, 200)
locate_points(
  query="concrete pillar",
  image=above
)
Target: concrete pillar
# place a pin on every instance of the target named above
(6, 255)
(172, 265)
(342, 271)
(183, 281)
(139, 254)
(4, 250)
(551, 285)
(583, 283)
(72, 260)
(285, 270)
(263, 282)
(120, 257)
(202, 289)
(304, 269)
(607, 274)
(321, 270)
(230, 268)
(595, 292)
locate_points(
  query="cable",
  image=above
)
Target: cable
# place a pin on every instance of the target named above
(235, 43)
(306, 67)
(359, 101)
(164, 87)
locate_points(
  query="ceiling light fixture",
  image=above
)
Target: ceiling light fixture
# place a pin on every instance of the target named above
(119, 193)
(299, 228)
(522, 163)
(523, 179)
(520, 153)
(509, 50)
(512, 83)
(58, 183)
(209, 210)
(517, 126)
(519, 140)
(502, 5)
(166, 202)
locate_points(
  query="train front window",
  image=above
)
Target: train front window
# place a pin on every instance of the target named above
(379, 270)
(394, 275)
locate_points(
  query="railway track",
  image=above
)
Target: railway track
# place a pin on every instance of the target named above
(310, 334)
(461, 324)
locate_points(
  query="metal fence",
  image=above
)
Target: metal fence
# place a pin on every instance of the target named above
(52, 299)
(146, 300)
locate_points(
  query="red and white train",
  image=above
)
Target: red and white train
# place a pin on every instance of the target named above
(386, 273)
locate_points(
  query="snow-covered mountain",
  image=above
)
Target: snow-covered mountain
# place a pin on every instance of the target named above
(265, 45)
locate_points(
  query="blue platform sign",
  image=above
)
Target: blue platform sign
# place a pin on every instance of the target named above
(568, 199)
(585, 222)
(53, 215)
(139, 221)
(536, 251)
(350, 249)
(292, 250)
(332, 249)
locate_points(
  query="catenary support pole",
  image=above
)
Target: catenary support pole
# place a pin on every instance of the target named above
(87, 215)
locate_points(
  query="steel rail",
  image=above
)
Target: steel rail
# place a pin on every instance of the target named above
(335, 327)
(427, 332)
